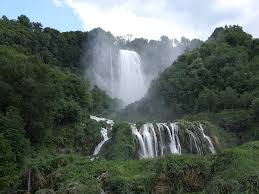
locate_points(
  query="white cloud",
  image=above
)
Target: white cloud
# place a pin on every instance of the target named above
(153, 18)
(57, 3)
(242, 8)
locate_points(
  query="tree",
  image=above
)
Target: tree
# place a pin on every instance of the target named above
(101, 102)
(12, 128)
(228, 98)
(255, 107)
(207, 100)
(255, 47)
(221, 74)
(8, 169)
(37, 26)
(24, 20)
(5, 18)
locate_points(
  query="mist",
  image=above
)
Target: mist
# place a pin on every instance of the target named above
(125, 68)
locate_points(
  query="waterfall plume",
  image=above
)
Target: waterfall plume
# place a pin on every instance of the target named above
(122, 78)
(131, 85)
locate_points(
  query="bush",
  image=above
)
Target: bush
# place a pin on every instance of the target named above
(255, 107)
(121, 146)
(235, 121)
(8, 169)
(236, 170)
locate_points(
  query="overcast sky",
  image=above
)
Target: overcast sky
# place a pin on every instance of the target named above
(142, 18)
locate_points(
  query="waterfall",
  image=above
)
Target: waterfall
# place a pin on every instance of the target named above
(142, 151)
(155, 138)
(193, 139)
(159, 139)
(148, 140)
(122, 78)
(100, 145)
(104, 133)
(176, 142)
(162, 138)
(131, 86)
(211, 146)
(160, 130)
(172, 143)
(98, 119)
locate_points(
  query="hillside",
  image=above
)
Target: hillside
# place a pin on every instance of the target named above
(48, 135)
(217, 82)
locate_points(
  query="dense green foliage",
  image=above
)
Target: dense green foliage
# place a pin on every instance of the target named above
(43, 104)
(44, 96)
(220, 75)
(52, 46)
(236, 170)
(8, 168)
(233, 171)
(121, 146)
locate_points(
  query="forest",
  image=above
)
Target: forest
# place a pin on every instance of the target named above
(47, 136)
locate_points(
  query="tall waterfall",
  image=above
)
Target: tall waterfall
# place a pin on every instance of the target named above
(120, 77)
(158, 139)
(131, 85)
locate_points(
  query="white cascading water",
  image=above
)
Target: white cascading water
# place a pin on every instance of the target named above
(194, 140)
(124, 80)
(172, 137)
(210, 144)
(104, 133)
(165, 139)
(98, 119)
(176, 142)
(161, 138)
(131, 85)
(143, 150)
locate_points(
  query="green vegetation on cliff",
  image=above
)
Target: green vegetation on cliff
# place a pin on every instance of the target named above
(121, 146)
(42, 103)
(235, 170)
(220, 79)
(47, 137)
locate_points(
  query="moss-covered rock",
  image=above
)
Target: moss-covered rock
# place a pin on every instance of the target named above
(121, 146)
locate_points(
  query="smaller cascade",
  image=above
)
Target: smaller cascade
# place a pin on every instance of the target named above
(142, 151)
(97, 149)
(104, 133)
(148, 140)
(98, 119)
(210, 144)
(176, 142)
(155, 139)
(162, 138)
(194, 140)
